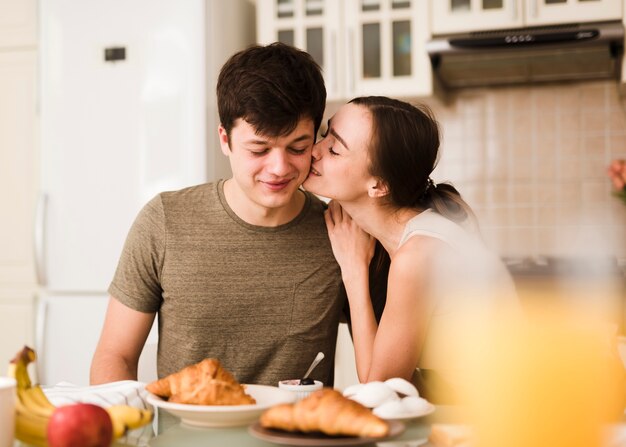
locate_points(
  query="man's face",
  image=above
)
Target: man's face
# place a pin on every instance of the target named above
(267, 170)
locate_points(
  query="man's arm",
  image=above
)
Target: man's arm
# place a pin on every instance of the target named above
(123, 335)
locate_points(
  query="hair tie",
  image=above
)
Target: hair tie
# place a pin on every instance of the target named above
(430, 185)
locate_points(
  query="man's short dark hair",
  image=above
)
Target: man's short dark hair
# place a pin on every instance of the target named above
(271, 87)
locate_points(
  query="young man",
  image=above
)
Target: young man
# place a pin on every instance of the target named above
(240, 270)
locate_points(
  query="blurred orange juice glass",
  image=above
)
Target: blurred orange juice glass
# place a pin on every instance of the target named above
(549, 380)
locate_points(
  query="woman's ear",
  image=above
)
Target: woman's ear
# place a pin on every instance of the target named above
(377, 188)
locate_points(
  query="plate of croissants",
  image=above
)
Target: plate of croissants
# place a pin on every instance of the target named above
(324, 418)
(207, 395)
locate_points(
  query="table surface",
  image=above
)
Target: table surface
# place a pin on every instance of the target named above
(170, 432)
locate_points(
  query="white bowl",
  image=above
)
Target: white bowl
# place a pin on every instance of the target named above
(299, 391)
(226, 415)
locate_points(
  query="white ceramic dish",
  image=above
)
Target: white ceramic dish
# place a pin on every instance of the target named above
(300, 391)
(226, 415)
(408, 416)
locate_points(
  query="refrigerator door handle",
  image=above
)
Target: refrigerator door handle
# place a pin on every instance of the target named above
(40, 242)
(40, 332)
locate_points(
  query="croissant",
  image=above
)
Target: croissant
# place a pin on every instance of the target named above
(205, 383)
(326, 411)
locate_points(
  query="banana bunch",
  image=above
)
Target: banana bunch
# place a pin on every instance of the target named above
(33, 409)
(125, 418)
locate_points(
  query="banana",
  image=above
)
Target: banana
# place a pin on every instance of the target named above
(30, 427)
(40, 397)
(29, 424)
(119, 427)
(18, 368)
(125, 417)
(29, 438)
(31, 400)
(32, 407)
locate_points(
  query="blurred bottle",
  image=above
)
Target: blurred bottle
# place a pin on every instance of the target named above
(549, 380)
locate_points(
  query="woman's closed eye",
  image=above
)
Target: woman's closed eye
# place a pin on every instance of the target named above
(331, 143)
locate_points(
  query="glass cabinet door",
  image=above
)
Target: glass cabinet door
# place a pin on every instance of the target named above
(545, 12)
(385, 46)
(456, 16)
(311, 25)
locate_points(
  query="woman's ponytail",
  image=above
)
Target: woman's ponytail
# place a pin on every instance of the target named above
(403, 151)
(444, 199)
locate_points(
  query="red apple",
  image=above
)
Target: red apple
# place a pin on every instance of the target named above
(80, 425)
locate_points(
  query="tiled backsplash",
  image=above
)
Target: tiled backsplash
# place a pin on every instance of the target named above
(531, 161)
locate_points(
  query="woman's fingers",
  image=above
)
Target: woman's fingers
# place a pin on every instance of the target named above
(336, 210)
(328, 218)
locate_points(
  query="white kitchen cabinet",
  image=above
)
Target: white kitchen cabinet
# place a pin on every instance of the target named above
(18, 176)
(542, 12)
(456, 16)
(386, 39)
(18, 23)
(18, 185)
(312, 25)
(16, 323)
(68, 331)
(365, 47)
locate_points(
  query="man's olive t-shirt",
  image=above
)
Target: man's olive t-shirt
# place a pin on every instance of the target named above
(262, 300)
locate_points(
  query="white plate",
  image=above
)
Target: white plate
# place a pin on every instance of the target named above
(410, 416)
(226, 415)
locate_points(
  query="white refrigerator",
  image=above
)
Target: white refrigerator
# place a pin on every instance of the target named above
(122, 117)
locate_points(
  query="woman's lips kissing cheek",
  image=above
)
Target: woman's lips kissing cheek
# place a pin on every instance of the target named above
(314, 171)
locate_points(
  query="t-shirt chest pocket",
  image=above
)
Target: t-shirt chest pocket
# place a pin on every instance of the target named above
(315, 307)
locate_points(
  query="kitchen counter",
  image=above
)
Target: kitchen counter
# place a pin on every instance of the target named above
(565, 267)
(597, 283)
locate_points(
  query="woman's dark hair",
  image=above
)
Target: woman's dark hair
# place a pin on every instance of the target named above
(403, 151)
(272, 87)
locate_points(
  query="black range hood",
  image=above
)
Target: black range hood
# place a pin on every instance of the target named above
(528, 55)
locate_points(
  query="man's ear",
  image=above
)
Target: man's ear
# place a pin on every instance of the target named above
(223, 140)
(377, 188)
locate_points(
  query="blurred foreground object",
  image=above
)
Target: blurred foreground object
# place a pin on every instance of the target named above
(450, 435)
(7, 411)
(551, 380)
(617, 173)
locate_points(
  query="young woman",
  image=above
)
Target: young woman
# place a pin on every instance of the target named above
(375, 163)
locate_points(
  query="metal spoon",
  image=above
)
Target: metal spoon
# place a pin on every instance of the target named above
(318, 358)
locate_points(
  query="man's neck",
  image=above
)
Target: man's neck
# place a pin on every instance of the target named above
(256, 214)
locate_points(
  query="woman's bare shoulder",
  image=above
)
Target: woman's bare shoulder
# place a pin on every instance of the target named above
(415, 258)
(420, 248)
